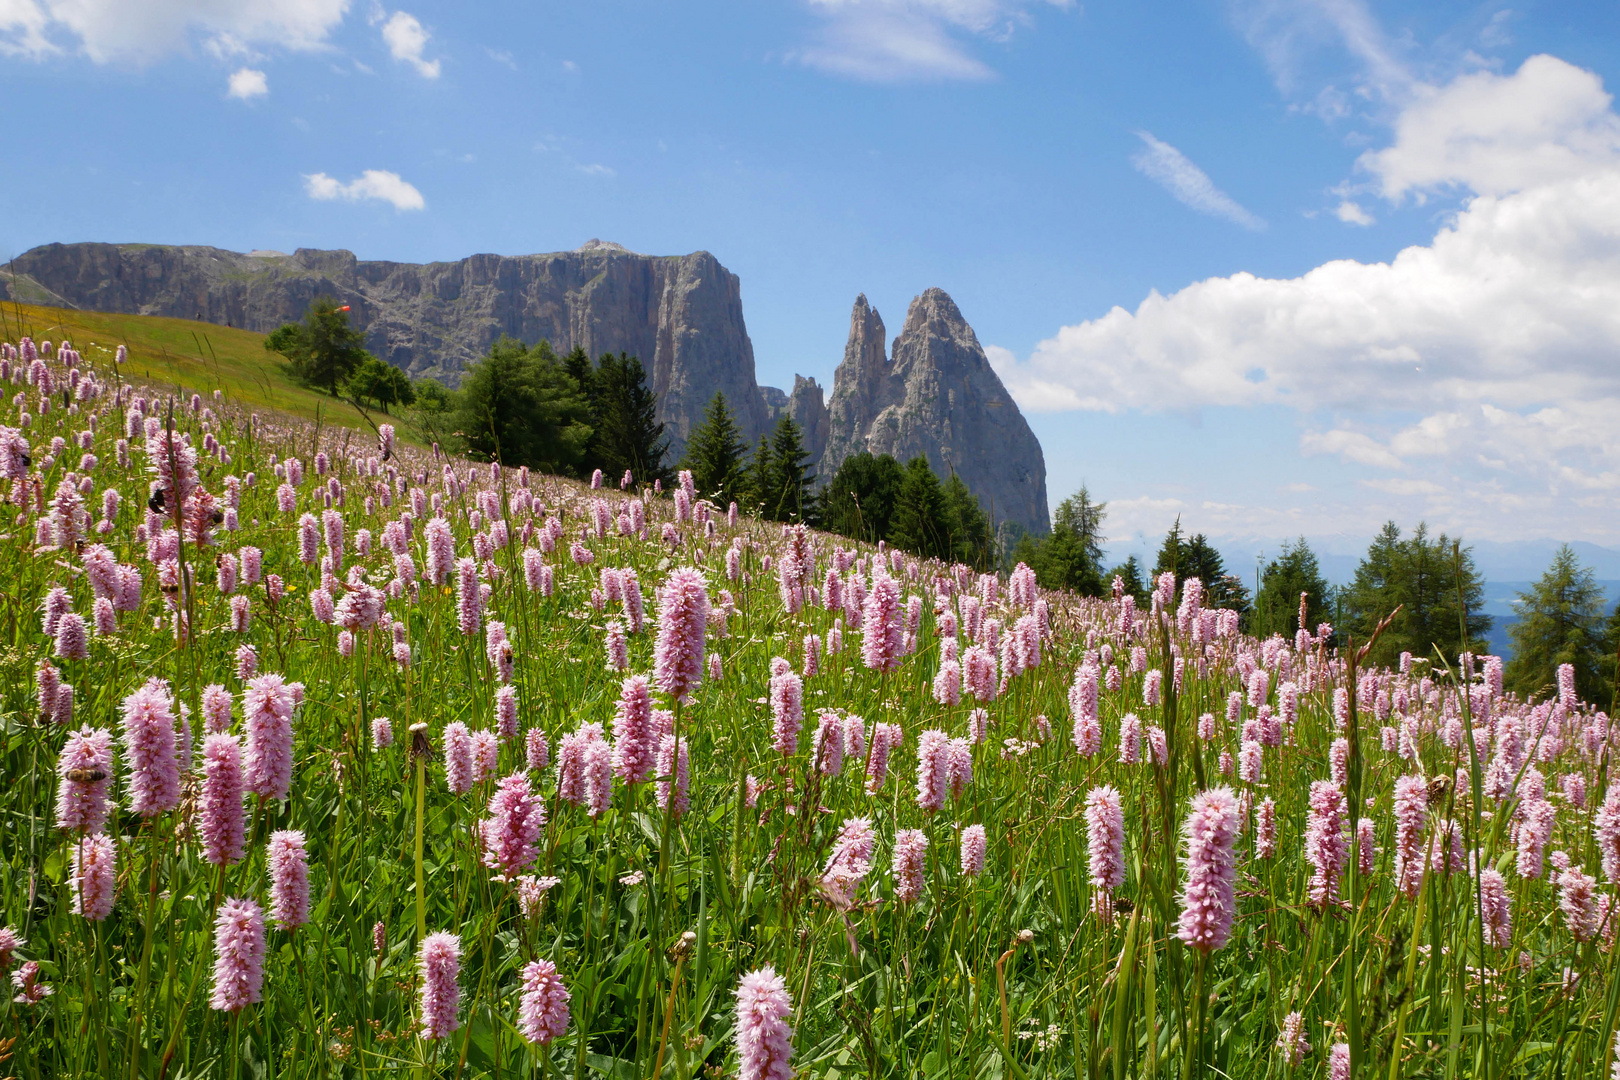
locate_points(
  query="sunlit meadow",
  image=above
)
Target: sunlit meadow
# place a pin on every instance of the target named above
(328, 755)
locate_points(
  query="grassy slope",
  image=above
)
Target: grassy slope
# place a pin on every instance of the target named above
(198, 357)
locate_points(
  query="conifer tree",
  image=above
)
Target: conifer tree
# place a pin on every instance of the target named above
(1070, 556)
(1426, 578)
(519, 406)
(919, 512)
(967, 528)
(323, 350)
(717, 455)
(859, 502)
(1560, 622)
(1294, 571)
(628, 435)
(786, 486)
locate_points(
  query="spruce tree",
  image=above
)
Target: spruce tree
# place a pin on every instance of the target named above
(1070, 556)
(1129, 574)
(1560, 622)
(760, 478)
(919, 513)
(1083, 519)
(1195, 557)
(323, 350)
(578, 365)
(628, 436)
(1172, 552)
(788, 493)
(1294, 571)
(518, 406)
(1610, 664)
(717, 455)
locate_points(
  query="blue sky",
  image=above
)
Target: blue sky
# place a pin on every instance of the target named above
(1236, 179)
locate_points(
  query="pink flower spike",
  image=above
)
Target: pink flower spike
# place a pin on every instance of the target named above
(683, 619)
(973, 847)
(94, 876)
(910, 849)
(1208, 902)
(289, 879)
(238, 956)
(763, 1035)
(221, 820)
(543, 1005)
(81, 798)
(151, 749)
(440, 963)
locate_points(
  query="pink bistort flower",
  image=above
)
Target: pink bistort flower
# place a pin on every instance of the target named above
(543, 1005)
(151, 750)
(683, 619)
(94, 876)
(288, 863)
(973, 848)
(440, 963)
(1208, 902)
(81, 798)
(763, 1035)
(511, 832)
(238, 955)
(221, 821)
(910, 849)
(1105, 847)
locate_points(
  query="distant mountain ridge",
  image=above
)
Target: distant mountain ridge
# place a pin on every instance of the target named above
(681, 314)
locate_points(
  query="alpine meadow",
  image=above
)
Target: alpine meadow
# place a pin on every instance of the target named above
(330, 753)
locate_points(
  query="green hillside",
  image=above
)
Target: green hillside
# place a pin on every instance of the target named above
(195, 356)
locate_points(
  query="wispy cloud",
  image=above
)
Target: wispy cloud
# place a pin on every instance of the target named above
(586, 168)
(120, 31)
(1190, 185)
(1286, 32)
(893, 41)
(377, 184)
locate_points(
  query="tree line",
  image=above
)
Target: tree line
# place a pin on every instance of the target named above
(871, 497)
(569, 415)
(1429, 581)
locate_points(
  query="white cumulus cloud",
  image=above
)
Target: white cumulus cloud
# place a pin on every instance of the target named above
(1495, 134)
(126, 31)
(889, 41)
(1517, 301)
(1187, 183)
(406, 40)
(371, 184)
(1487, 358)
(248, 83)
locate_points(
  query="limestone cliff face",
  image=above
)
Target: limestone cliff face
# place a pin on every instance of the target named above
(937, 397)
(681, 314)
(809, 411)
(859, 385)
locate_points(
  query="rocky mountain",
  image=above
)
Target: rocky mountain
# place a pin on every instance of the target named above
(936, 395)
(681, 314)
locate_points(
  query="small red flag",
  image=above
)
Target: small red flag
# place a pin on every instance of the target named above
(345, 307)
